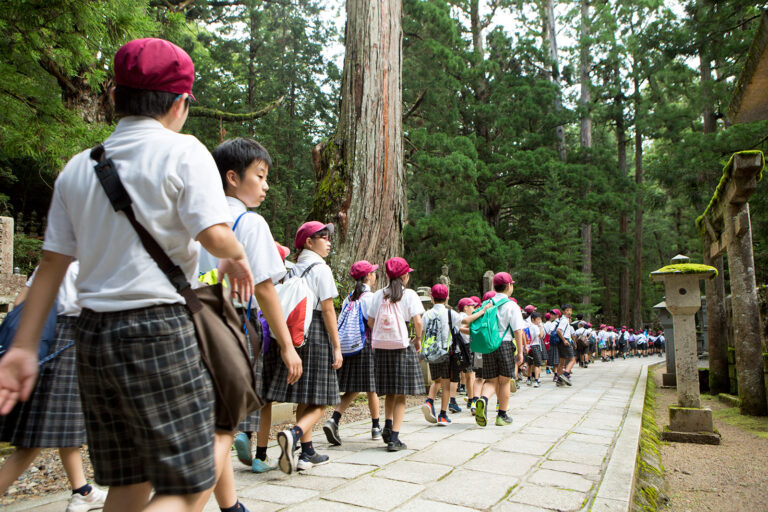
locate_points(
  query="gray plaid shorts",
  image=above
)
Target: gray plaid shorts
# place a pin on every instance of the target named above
(147, 399)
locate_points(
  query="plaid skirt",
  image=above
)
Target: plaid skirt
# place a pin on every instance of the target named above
(398, 372)
(318, 384)
(356, 374)
(553, 356)
(499, 363)
(53, 415)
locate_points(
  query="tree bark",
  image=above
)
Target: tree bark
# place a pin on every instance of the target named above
(359, 171)
(586, 146)
(550, 42)
(637, 302)
(621, 138)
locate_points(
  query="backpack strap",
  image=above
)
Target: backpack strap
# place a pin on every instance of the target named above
(240, 217)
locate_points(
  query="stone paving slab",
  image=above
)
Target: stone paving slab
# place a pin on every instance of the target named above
(568, 449)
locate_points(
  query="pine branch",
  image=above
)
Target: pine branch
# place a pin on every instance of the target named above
(415, 105)
(231, 116)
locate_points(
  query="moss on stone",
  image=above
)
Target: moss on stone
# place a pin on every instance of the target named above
(686, 268)
(650, 487)
(727, 170)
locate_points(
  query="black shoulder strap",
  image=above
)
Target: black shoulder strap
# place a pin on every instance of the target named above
(121, 201)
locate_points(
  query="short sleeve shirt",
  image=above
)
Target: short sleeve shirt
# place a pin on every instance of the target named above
(253, 232)
(410, 305)
(564, 326)
(177, 193)
(536, 334)
(68, 304)
(509, 316)
(320, 278)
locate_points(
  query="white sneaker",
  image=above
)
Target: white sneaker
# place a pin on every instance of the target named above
(95, 499)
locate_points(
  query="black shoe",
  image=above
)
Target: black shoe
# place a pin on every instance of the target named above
(396, 446)
(386, 434)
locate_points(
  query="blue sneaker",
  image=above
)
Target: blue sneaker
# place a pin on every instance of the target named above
(262, 466)
(243, 449)
(454, 407)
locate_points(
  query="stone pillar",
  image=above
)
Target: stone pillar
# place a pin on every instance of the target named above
(746, 313)
(716, 327)
(6, 245)
(488, 281)
(665, 318)
(689, 422)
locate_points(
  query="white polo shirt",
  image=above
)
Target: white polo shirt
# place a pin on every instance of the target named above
(509, 315)
(254, 233)
(68, 304)
(564, 326)
(320, 278)
(176, 192)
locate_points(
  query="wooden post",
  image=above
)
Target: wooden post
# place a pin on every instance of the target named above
(746, 315)
(716, 326)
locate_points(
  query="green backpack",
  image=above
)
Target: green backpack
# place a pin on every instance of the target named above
(484, 336)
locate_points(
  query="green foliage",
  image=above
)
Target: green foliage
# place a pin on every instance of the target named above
(26, 252)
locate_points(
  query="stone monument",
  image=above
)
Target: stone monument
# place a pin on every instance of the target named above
(665, 319)
(688, 421)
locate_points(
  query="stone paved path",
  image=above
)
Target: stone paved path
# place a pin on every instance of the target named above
(568, 449)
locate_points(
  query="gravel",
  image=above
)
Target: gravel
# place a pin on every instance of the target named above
(731, 476)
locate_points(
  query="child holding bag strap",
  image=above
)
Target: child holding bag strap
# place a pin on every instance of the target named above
(398, 372)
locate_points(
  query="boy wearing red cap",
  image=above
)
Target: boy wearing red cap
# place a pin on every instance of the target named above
(149, 415)
(320, 354)
(356, 375)
(499, 366)
(466, 307)
(398, 372)
(446, 374)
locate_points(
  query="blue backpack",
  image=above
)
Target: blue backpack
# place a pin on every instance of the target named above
(554, 338)
(351, 328)
(11, 324)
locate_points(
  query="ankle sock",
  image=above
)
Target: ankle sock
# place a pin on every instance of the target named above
(336, 416)
(443, 413)
(307, 448)
(502, 412)
(375, 423)
(297, 432)
(84, 490)
(249, 435)
(388, 424)
(237, 507)
(395, 436)
(261, 453)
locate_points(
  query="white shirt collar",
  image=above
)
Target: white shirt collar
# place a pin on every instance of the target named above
(236, 203)
(309, 256)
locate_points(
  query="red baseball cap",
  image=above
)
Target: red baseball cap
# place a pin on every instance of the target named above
(397, 267)
(154, 65)
(557, 312)
(547, 316)
(466, 301)
(502, 278)
(361, 269)
(530, 308)
(476, 300)
(307, 230)
(439, 291)
(282, 250)
(489, 295)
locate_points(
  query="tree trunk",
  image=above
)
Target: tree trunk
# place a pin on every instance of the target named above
(359, 172)
(550, 41)
(637, 303)
(586, 146)
(621, 137)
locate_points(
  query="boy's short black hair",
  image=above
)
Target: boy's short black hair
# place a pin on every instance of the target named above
(535, 315)
(500, 287)
(237, 154)
(141, 102)
(439, 301)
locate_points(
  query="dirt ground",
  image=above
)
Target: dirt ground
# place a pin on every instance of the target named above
(730, 477)
(46, 474)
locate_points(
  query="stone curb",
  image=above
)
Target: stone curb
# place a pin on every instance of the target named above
(617, 487)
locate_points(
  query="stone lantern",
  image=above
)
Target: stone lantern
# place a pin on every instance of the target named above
(689, 422)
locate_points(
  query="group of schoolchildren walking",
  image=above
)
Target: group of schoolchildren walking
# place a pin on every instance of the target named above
(146, 396)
